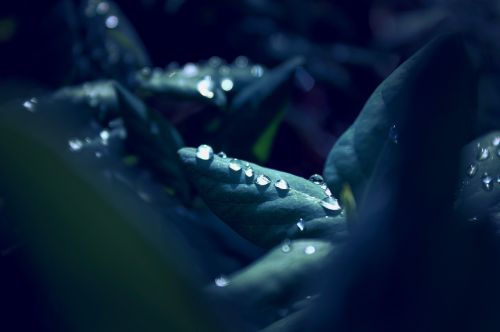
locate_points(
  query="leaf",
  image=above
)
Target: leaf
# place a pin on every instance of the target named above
(264, 215)
(256, 113)
(442, 68)
(276, 280)
(154, 139)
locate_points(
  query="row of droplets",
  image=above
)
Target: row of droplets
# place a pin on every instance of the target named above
(484, 153)
(115, 130)
(205, 152)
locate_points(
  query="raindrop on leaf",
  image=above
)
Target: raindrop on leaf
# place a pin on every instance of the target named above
(204, 152)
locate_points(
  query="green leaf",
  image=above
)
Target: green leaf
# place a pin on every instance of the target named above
(265, 215)
(479, 193)
(443, 68)
(256, 113)
(154, 139)
(278, 279)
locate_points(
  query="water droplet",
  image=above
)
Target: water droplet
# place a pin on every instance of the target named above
(300, 224)
(222, 154)
(205, 87)
(204, 152)
(472, 170)
(286, 246)
(104, 135)
(112, 22)
(331, 203)
(487, 182)
(75, 144)
(393, 134)
(190, 70)
(262, 180)
(309, 250)
(316, 179)
(282, 186)
(483, 154)
(227, 84)
(248, 172)
(257, 71)
(225, 70)
(102, 8)
(214, 61)
(328, 192)
(235, 165)
(145, 72)
(30, 104)
(221, 281)
(496, 141)
(241, 61)
(98, 154)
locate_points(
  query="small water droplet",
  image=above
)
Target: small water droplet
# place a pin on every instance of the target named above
(235, 165)
(472, 170)
(112, 22)
(145, 73)
(300, 224)
(104, 135)
(221, 281)
(30, 104)
(205, 87)
(204, 152)
(496, 141)
(262, 180)
(227, 84)
(309, 250)
(222, 154)
(241, 61)
(393, 134)
(286, 246)
(102, 8)
(316, 179)
(225, 70)
(75, 144)
(331, 204)
(257, 71)
(214, 61)
(282, 186)
(98, 154)
(487, 181)
(483, 154)
(248, 172)
(190, 70)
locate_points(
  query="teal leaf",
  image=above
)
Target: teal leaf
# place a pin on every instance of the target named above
(265, 215)
(355, 155)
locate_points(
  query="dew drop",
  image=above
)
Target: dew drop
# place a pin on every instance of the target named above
(145, 72)
(104, 135)
(393, 134)
(221, 281)
(102, 8)
(204, 152)
(483, 154)
(262, 180)
(309, 250)
(257, 71)
(472, 170)
(282, 186)
(241, 61)
(328, 192)
(75, 144)
(331, 204)
(487, 182)
(286, 246)
(205, 87)
(190, 70)
(214, 61)
(112, 22)
(235, 165)
(227, 84)
(316, 179)
(248, 172)
(224, 70)
(300, 224)
(496, 141)
(30, 104)
(222, 154)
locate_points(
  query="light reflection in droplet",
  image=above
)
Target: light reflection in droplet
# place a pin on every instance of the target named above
(227, 84)
(112, 22)
(205, 87)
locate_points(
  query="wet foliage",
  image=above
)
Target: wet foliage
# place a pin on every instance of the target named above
(341, 175)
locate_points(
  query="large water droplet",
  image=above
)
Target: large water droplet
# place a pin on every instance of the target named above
(30, 104)
(309, 250)
(300, 224)
(487, 181)
(190, 70)
(204, 152)
(393, 134)
(235, 165)
(262, 180)
(286, 246)
(222, 154)
(221, 281)
(75, 144)
(472, 170)
(331, 204)
(205, 87)
(495, 141)
(112, 22)
(227, 84)
(248, 172)
(483, 153)
(316, 179)
(104, 135)
(282, 186)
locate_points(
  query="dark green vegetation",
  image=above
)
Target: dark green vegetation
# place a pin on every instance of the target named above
(110, 221)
